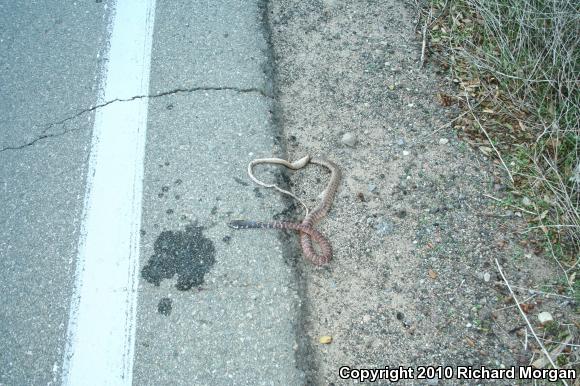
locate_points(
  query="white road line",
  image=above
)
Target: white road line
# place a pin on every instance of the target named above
(101, 328)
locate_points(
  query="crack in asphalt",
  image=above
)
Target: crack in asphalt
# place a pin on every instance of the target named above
(44, 133)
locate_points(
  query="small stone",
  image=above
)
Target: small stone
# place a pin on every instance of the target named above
(545, 317)
(526, 201)
(406, 152)
(486, 277)
(348, 139)
(401, 142)
(443, 141)
(385, 228)
(326, 339)
(372, 188)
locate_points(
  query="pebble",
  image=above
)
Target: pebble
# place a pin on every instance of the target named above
(385, 228)
(443, 141)
(348, 139)
(406, 152)
(326, 339)
(486, 277)
(526, 201)
(372, 188)
(545, 317)
(401, 142)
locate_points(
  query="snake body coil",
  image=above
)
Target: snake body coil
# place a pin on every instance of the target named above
(306, 227)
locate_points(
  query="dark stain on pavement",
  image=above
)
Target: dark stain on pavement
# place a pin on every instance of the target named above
(239, 181)
(257, 193)
(187, 254)
(164, 307)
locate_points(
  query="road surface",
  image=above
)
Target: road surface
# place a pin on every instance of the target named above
(125, 131)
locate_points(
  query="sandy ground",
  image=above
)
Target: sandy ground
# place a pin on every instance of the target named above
(413, 280)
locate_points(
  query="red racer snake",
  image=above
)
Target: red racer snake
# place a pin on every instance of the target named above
(306, 227)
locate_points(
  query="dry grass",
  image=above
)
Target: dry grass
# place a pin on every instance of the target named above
(516, 65)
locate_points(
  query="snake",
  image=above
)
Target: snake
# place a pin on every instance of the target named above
(306, 228)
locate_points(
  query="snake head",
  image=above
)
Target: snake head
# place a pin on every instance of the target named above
(299, 164)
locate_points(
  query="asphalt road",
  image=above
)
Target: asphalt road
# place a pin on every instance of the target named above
(212, 304)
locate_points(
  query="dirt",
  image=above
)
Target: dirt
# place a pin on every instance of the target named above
(413, 281)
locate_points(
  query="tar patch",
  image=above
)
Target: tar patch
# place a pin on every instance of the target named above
(187, 254)
(164, 307)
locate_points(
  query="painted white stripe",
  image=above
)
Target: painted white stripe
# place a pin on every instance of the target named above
(101, 329)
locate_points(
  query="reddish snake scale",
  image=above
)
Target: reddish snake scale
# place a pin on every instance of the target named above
(306, 227)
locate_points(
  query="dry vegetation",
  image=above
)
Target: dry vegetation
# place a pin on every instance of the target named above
(515, 67)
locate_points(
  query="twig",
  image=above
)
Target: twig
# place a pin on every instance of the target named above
(514, 305)
(424, 45)
(556, 259)
(457, 117)
(541, 362)
(513, 206)
(487, 135)
(565, 343)
(546, 353)
(555, 226)
(448, 123)
(547, 294)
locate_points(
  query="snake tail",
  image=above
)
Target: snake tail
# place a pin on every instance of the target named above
(307, 235)
(250, 224)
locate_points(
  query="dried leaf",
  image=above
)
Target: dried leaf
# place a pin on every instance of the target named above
(432, 274)
(470, 342)
(526, 307)
(445, 100)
